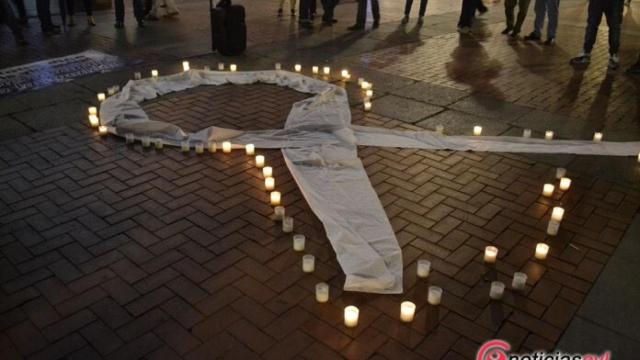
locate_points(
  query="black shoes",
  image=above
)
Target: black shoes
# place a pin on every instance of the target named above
(356, 27)
(506, 31)
(550, 41)
(376, 24)
(119, 24)
(532, 37)
(140, 23)
(582, 59)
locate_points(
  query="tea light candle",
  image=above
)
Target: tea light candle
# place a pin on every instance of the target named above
(560, 173)
(553, 227)
(360, 80)
(278, 66)
(367, 105)
(102, 97)
(326, 70)
(146, 141)
(275, 197)
(322, 292)
(519, 280)
(137, 75)
(102, 130)
(565, 183)
(597, 137)
(93, 110)
(129, 138)
(159, 143)
(287, 224)
(407, 311)
(497, 290)
(184, 145)
(278, 212)
(366, 85)
(297, 67)
(308, 263)
(477, 130)
(526, 133)
(185, 66)
(351, 314)
(220, 66)
(490, 254)
(638, 157)
(94, 120)
(424, 267)
(154, 73)
(267, 171)
(440, 129)
(250, 149)
(547, 190)
(548, 135)
(368, 93)
(213, 147)
(542, 250)
(557, 213)
(298, 242)
(233, 67)
(259, 161)
(345, 74)
(199, 148)
(226, 147)
(315, 70)
(434, 295)
(269, 183)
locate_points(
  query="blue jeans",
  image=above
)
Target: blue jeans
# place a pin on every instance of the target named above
(542, 8)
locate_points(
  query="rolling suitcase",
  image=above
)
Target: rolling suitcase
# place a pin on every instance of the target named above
(228, 29)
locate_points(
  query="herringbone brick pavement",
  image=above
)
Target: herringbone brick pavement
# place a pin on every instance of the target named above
(114, 251)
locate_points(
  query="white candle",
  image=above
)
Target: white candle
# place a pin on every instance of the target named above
(93, 110)
(269, 183)
(129, 138)
(553, 227)
(94, 120)
(368, 93)
(267, 171)
(367, 105)
(440, 129)
(101, 97)
(345, 74)
(557, 213)
(326, 70)
(322, 292)
(184, 145)
(146, 141)
(597, 137)
(275, 198)
(565, 183)
(424, 267)
(526, 133)
(638, 157)
(548, 135)
(407, 311)
(297, 67)
(154, 73)
(287, 224)
(477, 130)
(137, 75)
(278, 212)
(278, 66)
(233, 67)
(497, 290)
(315, 69)
(434, 295)
(226, 147)
(351, 314)
(519, 280)
(360, 80)
(547, 190)
(185, 66)
(207, 68)
(199, 148)
(490, 254)
(220, 66)
(213, 147)
(542, 250)
(366, 85)
(259, 161)
(159, 143)
(102, 130)
(308, 263)
(298, 242)
(250, 149)
(560, 173)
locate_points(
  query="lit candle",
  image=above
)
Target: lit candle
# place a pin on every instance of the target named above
(146, 141)
(259, 161)
(213, 147)
(267, 171)
(250, 149)
(477, 130)
(93, 110)
(407, 311)
(315, 69)
(275, 198)
(434, 295)
(287, 224)
(94, 121)
(560, 173)
(226, 147)
(565, 183)
(322, 292)
(638, 157)
(129, 138)
(440, 129)
(101, 97)
(233, 67)
(278, 212)
(526, 133)
(424, 267)
(184, 145)
(308, 263)
(137, 75)
(351, 314)
(557, 213)
(547, 190)
(597, 137)
(298, 67)
(185, 66)
(367, 105)
(269, 183)
(497, 290)
(298, 242)
(102, 130)
(553, 227)
(542, 250)
(220, 66)
(519, 280)
(548, 135)
(368, 93)
(159, 143)
(345, 74)
(490, 254)
(278, 66)
(326, 70)
(154, 73)
(360, 80)
(366, 85)
(199, 148)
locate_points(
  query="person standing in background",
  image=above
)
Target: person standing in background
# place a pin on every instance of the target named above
(421, 11)
(466, 15)
(8, 17)
(304, 14)
(23, 19)
(138, 12)
(328, 7)
(87, 8)
(44, 15)
(509, 9)
(292, 6)
(361, 17)
(542, 8)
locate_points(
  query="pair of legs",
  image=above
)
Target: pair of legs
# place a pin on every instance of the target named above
(361, 17)
(509, 9)
(138, 12)
(469, 8)
(22, 11)
(328, 6)
(292, 6)
(44, 15)
(421, 11)
(88, 7)
(545, 8)
(8, 17)
(612, 10)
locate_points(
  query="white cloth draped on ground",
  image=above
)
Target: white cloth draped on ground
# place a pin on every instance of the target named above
(319, 146)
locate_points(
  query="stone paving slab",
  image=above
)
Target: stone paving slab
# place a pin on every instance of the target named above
(404, 109)
(460, 123)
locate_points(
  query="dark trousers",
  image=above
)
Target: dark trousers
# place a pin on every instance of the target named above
(466, 14)
(44, 14)
(138, 9)
(481, 6)
(313, 6)
(8, 17)
(361, 18)
(327, 7)
(612, 10)
(509, 9)
(88, 7)
(304, 11)
(409, 3)
(22, 11)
